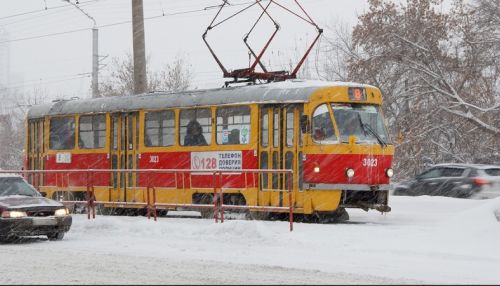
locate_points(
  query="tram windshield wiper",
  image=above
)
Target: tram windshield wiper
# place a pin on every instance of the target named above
(369, 129)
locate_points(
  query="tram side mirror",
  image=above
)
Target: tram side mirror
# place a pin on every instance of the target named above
(304, 124)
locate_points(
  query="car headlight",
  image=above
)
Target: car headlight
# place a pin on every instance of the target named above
(349, 173)
(13, 214)
(389, 172)
(62, 212)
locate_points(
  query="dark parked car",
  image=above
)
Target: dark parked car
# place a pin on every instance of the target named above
(454, 180)
(25, 212)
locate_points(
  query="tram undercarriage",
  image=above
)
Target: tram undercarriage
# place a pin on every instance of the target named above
(365, 200)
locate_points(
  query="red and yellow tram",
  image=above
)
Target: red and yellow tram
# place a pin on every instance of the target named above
(330, 134)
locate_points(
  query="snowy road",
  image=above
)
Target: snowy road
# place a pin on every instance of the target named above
(424, 240)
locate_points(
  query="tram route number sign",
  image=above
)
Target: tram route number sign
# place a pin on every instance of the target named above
(223, 160)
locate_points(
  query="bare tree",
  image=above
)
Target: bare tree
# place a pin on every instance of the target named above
(174, 76)
(12, 128)
(335, 50)
(439, 74)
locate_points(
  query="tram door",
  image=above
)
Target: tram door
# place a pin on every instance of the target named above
(124, 155)
(279, 146)
(36, 151)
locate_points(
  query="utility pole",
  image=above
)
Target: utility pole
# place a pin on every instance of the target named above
(140, 79)
(95, 62)
(95, 52)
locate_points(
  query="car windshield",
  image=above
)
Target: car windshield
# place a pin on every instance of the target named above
(363, 121)
(11, 186)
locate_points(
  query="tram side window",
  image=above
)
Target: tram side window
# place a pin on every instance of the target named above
(92, 131)
(62, 133)
(322, 126)
(264, 127)
(233, 125)
(290, 117)
(159, 129)
(196, 127)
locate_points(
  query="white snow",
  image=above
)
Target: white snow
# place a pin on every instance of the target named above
(424, 240)
(300, 83)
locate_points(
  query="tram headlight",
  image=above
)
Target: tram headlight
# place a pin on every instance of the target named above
(316, 169)
(349, 173)
(389, 172)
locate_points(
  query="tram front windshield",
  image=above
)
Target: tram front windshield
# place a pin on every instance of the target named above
(363, 121)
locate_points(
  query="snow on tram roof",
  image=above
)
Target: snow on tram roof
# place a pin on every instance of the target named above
(286, 91)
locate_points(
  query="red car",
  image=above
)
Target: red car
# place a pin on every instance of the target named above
(25, 212)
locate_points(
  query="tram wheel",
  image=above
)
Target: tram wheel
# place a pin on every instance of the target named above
(206, 199)
(339, 215)
(257, 215)
(207, 213)
(102, 210)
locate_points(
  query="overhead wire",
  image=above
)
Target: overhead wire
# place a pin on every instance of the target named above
(38, 82)
(115, 24)
(44, 10)
(163, 14)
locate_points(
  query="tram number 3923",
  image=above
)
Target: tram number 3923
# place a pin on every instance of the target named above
(369, 162)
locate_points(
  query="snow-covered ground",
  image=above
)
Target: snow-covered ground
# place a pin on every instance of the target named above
(424, 240)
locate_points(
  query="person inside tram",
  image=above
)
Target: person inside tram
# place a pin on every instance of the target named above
(234, 137)
(194, 135)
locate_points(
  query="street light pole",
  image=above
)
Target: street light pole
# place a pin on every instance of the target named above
(95, 52)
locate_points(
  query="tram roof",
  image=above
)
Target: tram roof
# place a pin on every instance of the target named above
(290, 91)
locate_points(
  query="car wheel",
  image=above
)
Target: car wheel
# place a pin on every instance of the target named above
(399, 192)
(55, 236)
(8, 238)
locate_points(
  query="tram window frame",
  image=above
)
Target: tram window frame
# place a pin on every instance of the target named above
(166, 128)
(97, 132)
(276, 127)
(264, 127)
(301, 131)
(290, 126)
(65, 140)
(360, 114)
(334, 136)
(232, 119)
(198, 115)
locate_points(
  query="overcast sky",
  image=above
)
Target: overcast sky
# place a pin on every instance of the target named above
(50, 41)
